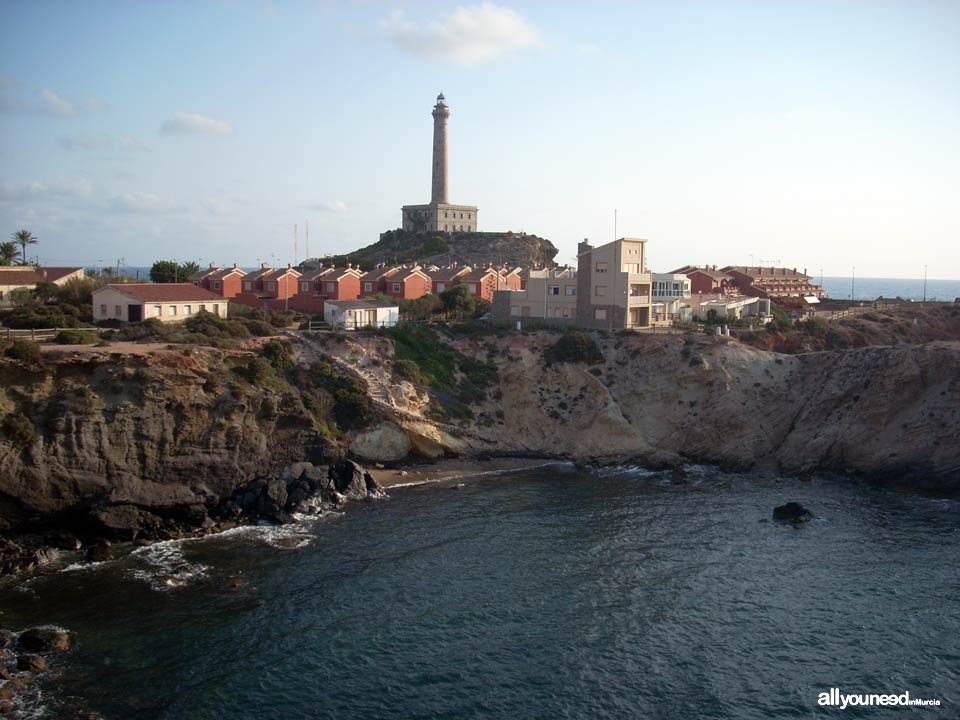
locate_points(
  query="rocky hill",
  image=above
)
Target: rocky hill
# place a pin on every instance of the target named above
(465, 248)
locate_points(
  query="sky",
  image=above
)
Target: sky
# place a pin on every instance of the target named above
(817, 134)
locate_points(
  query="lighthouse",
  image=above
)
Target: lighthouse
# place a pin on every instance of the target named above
(440, 215)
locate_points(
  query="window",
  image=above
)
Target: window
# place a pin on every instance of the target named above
(103, 311)
(271, 286)
(187, 309)
(599, 314)
(331, 287)
(600, 291)
(203, 308)
(247, 285)
(216, 284)
(445, 215)
(601, 267)
(553, 289)
(216, 309)
(158, 310)
(445, 228)
(173, 309)
(468, 216)
(396, 287)
(473, 288)
(525, 311)
(461, 216)
(117, 311)
(570, 290)
(368, 287)
(305, 287)
(441, 287)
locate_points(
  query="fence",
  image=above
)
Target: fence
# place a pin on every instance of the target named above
(42, 334)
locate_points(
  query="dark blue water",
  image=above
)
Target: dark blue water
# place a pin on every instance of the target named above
(871, 288)
(551, 594)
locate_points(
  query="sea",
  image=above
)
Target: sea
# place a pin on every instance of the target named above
(557, 592)
(840, 288)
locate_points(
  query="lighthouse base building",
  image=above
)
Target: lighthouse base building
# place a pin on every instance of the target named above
(440, 215)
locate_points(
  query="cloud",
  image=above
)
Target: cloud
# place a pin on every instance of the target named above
(95, 104)
(128, 143)
(53, 104)
(468, 36)
(85, 142)
(139, 203)
(333, 206)
(183, 123)
(37, 190)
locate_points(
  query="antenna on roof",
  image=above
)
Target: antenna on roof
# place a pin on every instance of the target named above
(294, 242)
(306, 242)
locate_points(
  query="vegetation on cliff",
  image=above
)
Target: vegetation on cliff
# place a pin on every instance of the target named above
(466, 248)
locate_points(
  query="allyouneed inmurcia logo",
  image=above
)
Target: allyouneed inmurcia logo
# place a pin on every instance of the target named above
(835, 698)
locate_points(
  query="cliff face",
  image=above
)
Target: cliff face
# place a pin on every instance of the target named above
(174, 433)
(162, 431)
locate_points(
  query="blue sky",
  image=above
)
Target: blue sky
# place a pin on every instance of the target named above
(817, 134)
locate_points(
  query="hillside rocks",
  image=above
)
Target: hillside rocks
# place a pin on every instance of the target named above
(792, 512)
(384, 443)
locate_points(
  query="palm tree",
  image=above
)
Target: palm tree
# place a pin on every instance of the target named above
(24, 237)
(8, 253)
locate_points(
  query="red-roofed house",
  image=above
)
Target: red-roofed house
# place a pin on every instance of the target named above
(27, 277)
(408, 284)
(375, 281)
(226, 282)
(707, 280)
(445, 278)
(483, 282)
(168, 302)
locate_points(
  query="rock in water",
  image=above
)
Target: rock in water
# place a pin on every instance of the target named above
(31, 663)
(792, 512)
(45, 639)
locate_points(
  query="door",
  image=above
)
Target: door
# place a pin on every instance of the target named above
(134, 313)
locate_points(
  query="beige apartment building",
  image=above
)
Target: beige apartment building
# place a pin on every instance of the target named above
(613, 287)
(610, 289)
(549, 294)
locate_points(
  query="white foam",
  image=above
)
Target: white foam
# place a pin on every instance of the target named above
(73, 567)
(167, 568)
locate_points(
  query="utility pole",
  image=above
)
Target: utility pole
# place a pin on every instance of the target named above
(924, 283)
(853, 281)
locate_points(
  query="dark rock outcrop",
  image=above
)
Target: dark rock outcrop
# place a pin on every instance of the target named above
(31, 663)
(45, 640)
(792, 512)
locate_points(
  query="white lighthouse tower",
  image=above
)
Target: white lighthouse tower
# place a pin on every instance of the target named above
(440, 215)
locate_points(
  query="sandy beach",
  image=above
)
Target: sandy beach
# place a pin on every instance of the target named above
(442, 470)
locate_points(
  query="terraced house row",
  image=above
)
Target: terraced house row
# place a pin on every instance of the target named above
(309, 285)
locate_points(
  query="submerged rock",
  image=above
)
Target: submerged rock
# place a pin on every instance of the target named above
(45, 639)
(792, 512)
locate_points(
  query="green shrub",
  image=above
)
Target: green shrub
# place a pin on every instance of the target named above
(75, 337)
(574, 347)
(352, 407)
(259, 328)
(408, 370)
(278, 354)
(25, 350)
(19, 429)
(259, 371)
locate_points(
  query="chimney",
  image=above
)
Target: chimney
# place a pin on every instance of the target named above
(263, 266)
(211, 266)
(234, 264)
(289, 266)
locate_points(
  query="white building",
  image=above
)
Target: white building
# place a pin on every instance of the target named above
(729, 308)
(353, 314)
(669, 290)
(167, 302)
(27, 277)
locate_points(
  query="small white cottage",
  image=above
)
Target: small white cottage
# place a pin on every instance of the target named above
(353, 314)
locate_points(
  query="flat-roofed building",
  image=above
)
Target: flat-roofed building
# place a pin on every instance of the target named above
(613, 287)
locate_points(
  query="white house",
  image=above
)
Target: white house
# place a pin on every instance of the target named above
(353, 314)
(728, 307)
(168, 302)
(27, 277)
